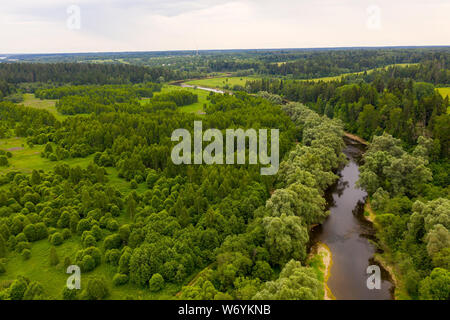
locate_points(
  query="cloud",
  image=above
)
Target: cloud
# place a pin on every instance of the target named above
(127, 25)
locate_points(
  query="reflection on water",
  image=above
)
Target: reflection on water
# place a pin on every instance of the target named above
(347, 234)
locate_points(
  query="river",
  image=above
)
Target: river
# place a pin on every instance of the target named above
(346, 232)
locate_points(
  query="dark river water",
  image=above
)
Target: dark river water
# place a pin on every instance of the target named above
(347, 234)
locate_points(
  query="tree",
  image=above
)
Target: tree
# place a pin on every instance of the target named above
(54, 259)
(156, 282)
(437, 239)
(4, 161)
(368, 121)
(35, 178)
(96, 289)
(2, 247)
(131, 207)
(295, 283)
(436, 286)
(18, 288)
(286, 238)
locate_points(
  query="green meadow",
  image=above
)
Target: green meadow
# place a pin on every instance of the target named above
(444, 91)
(192, 108)
(26, 158)
(31, 101)
(221, 82)
(54, 278)
(339, 77)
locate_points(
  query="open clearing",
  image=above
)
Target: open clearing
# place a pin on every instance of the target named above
(444, 91)
(228, 83)
(31, 101)
(222, 82)
(339, 77)
(192, 108)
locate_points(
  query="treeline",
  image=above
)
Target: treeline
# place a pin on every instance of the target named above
(413, 214)
(115, 98)
(117, 93)
(179, 97)
(316, 64)
(400, 106)
(436, 72)
(83, 73)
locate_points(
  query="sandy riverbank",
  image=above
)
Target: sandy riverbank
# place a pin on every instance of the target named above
(324, 252)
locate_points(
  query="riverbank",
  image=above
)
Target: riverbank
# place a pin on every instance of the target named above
(385, 259)
(369, 214)
(324, 255)
(356, 138)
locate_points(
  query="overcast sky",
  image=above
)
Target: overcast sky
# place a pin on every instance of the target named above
(44, 26)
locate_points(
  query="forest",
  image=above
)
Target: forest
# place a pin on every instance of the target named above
(86, 176)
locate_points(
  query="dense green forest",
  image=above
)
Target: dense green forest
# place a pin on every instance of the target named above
(86, 176)
(406, 167)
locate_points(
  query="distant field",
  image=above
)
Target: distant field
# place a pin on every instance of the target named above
(193, 108)
(229, 82)
(221, 82)
(339, 77)
(31, 101)
(444, 91)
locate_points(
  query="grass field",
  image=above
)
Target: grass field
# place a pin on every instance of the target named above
(339, 77)
(229, 82)
(26, 159)
(193, 108)
(53, 278)
(31, 101)
(444, 91)
(221, 82)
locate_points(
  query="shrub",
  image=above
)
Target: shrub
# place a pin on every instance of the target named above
(54, 260)
(56, 239)
(34, 291)
(112, 256)
(156, 282)
(18, 288)
(68, 294)
(4, 161)
(112, 242)
(26, 254)
(88, 263)
(66, 234)
(96, 289)
(67, 262)
(120, 279)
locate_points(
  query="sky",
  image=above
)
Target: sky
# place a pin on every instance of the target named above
(55, 26)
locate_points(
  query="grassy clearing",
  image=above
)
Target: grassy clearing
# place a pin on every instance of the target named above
(26, 159)
(444, 92)
(53, 278)
(339, 77)
(221, 82)
(193, 108)
(31, 101)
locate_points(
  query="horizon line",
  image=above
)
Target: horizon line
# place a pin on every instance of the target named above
(236, 49)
